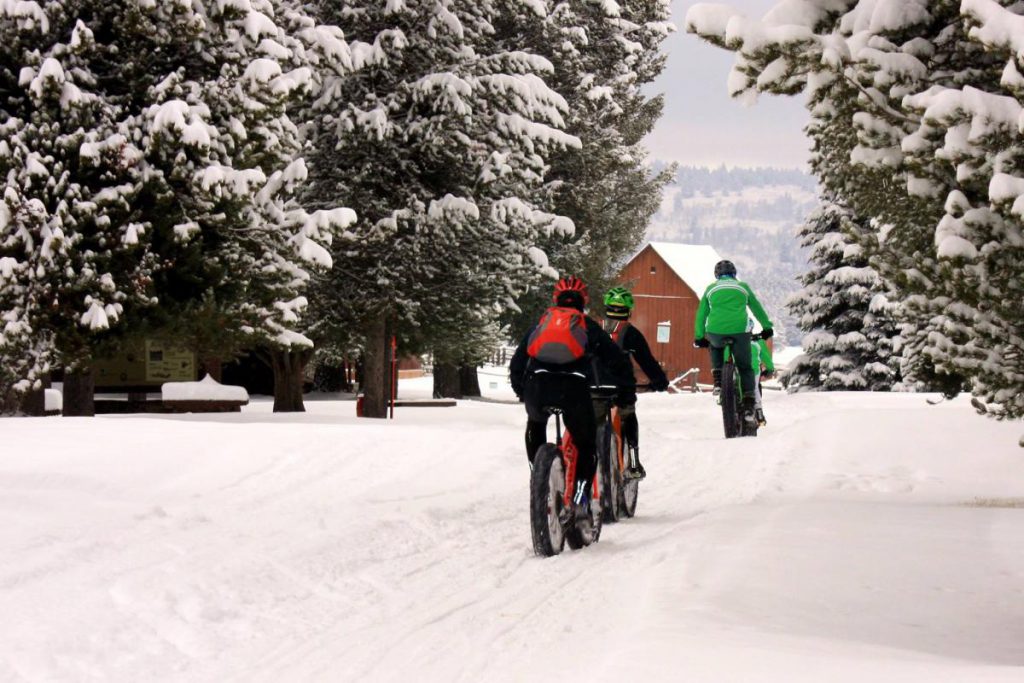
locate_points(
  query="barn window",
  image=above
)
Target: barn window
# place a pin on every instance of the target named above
(654, 269)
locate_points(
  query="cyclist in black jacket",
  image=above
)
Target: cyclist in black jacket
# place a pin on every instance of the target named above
(567, 386)
(618, 304)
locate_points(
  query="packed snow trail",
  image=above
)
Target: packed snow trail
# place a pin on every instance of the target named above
(861, 537)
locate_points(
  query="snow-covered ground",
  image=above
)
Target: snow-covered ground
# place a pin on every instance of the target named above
(860, 538)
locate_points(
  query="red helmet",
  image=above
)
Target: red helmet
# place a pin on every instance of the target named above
(570, 283)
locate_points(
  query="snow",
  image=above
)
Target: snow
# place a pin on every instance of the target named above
(96, 317)
(862, 537)
(997, 25)
(206, 389)
(53, 400)
(783, 357)
(693, 263)
(879, 16)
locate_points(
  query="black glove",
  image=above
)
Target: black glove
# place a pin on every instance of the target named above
(659, 386)
(625, 399)
(701, 343)
(768, 374)
(767, 333)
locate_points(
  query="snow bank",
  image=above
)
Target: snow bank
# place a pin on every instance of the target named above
(207, 389)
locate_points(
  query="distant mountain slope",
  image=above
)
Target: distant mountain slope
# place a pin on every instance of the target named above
(750, 216)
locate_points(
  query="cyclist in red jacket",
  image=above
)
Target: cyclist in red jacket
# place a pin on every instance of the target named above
(565, 384)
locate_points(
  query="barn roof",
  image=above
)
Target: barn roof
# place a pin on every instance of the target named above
(693, 263)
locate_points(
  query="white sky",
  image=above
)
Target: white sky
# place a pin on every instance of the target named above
(702, 125)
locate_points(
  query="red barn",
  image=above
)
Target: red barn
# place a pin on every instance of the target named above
(667, 281)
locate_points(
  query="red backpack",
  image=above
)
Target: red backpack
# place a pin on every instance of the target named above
(560, 337)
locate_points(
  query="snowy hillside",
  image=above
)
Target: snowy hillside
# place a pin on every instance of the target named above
(750, 216)
(862, 538)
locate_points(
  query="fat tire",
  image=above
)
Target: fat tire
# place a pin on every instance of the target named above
(628, 496)
(611, 477)
(730, 402)
(542, 504)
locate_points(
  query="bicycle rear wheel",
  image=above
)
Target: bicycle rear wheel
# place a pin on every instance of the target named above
(547, 491)
(730, 401)
(611, 477)
(630, 488)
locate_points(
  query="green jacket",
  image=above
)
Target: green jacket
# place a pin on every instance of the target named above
(760, 353)
(723, 308)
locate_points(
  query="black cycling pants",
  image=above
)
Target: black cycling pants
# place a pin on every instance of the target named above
(740, 355)
(571, 394)
(630, 426)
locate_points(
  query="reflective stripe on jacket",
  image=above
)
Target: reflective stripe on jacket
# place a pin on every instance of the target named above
(723, 308)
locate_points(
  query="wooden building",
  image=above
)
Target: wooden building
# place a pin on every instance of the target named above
(667, 281)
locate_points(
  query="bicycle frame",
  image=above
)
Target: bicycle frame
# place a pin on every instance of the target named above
(616, 421)
(569, 456)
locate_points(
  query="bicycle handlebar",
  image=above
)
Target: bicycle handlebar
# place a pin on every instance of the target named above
(608, 392)
(729, 340)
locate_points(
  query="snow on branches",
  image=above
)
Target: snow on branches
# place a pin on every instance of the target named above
(917, 120)
(458, 124)
(162, 150)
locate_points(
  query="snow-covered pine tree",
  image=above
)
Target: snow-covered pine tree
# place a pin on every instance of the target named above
(931, 90)
(844, 309)
(459, 128)
(605, 54)
(150, 167)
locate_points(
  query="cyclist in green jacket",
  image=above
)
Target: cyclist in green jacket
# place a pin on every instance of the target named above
(722, 314)
(761, 362)
(618, 307)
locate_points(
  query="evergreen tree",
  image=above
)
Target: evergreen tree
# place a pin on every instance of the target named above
(914, 116)
(459, 127)
(150, 166)
(604, 56)
(844, 309)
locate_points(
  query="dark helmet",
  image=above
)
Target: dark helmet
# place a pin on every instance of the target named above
(725, 268)
(570, 291)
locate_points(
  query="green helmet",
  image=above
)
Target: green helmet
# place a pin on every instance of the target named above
(618, 302)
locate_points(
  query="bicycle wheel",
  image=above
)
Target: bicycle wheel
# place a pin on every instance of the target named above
(611, 477)
(547, 491)
(630, 489)
(730, 401)
(583, 532)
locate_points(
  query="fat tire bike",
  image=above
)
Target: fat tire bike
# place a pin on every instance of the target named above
(552, 522)
(732, 395)
(619, 493)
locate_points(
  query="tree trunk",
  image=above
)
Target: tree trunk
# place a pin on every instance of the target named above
(214, 368)
(33, 403)
(78, 393)
(469, 382)
(289, 373)
(446, 381)
(376, 369)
